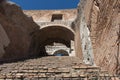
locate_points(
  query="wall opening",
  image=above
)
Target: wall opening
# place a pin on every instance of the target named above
(56, 17)
(50, 35)
(61, 53)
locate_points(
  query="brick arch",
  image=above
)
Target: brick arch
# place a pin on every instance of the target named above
(60, 25)
(60, 32)
(49, 34)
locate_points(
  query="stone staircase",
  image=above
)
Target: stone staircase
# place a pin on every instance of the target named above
(53, 68)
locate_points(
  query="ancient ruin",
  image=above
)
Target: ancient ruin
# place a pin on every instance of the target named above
(70, 44)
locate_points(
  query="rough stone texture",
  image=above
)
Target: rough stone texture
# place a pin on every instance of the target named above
(98, 19)
(46, 15)
(4, 41)
(86, 44)
(26, 38)
(57, 68)
(15, 32)
(103, 21)
(107, 50)
(62, 30)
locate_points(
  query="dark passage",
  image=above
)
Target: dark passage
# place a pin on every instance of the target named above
(49, 35)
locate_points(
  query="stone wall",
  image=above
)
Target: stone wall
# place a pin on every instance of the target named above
(43, 19)
(97, 31)
(15, 32)
(86, 44)
(46, 15)
(103, 20)
(4, 41)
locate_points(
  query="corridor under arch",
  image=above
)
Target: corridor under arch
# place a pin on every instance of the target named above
(50, 35)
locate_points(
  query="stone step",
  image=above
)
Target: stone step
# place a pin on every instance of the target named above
(52, 67)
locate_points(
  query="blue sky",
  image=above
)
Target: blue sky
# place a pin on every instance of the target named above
(46, 4)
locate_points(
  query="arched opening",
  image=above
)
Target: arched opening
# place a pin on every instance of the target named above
(61, 53)
(48, 36)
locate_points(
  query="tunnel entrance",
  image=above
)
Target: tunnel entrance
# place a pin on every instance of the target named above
(61, 53)
(50, 35)
(61, 48)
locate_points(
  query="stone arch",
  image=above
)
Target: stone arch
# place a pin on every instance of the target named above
(61, 52)
(49, 34)
(60, 25)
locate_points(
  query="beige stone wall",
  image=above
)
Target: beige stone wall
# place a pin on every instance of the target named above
(78, 48)
(46, 15)
(64, 27)
(108, 23)
(103, 21)
(22, 33)
(84, 34)
(101, 17)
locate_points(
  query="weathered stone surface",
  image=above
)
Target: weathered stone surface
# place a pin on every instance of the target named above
(108, 32)
(15, 30)
(96, 29)
(46, 15)
(63, 71)
(86, 44)
(58, 31)
(4, 41)
(103, 20)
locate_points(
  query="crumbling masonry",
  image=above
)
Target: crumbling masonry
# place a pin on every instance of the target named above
(88, 38)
